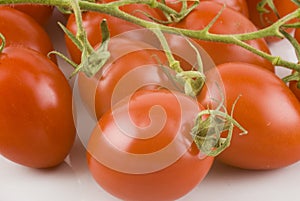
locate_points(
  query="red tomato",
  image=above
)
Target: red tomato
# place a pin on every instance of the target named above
(238, 5)
(36, 121)
(126, 55)
(92, 20)
(141, 149)
(21, 30)
(41, 13)
(267, 109)
(220, 52)
(268, 18)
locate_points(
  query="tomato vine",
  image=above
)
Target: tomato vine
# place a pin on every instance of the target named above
(112, 8)
(193, 79)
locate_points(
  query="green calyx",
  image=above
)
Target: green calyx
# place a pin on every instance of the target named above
(210, 126)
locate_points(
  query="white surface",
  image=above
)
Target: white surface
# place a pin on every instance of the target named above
(71, 181)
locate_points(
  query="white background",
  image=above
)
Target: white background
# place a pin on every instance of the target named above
(71, 181)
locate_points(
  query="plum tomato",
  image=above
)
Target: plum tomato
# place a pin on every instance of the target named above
(142, 149)
(201, 16)
(267, 109)
(40, 13)
(36, 120)
(126, 56)
(21, 30)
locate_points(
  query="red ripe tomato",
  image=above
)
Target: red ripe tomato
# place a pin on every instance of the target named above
(267, 109)
(92, 20)
(220, 52)
(262, 20)
(21, 30)
(36, 121)
(41, 13)
(141, 149)
(126, 56)
(238, 5)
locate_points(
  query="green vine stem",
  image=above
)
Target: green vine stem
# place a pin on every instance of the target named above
(3, 42)
(112, 8)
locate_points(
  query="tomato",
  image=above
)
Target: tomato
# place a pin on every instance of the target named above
(267, 109)
(41, 13)
(126, 55)
(220, 52)
(92, 20)
(36, 121)
(141, 149)
(21, 30)
(263, 20)
(238, 5)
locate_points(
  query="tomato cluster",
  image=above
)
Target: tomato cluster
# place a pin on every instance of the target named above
(141, 147)
(36, 121)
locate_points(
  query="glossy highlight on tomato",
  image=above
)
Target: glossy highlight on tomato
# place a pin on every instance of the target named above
(126, 55)
(142, 148)
(36, 121)
(267, 109)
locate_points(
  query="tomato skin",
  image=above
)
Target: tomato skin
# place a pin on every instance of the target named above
(293, 87)
(220, 52)
(169, 183)
(126, 55)
(91, 23)
(238, 5)
(40, 13)
(267, 109)
(33, 36)
(36, 121)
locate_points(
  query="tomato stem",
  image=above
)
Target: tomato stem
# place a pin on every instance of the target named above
(93, 62)
(81, 33)
(261, 8)
(173, 63)
(210, 124)
(3, 42)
